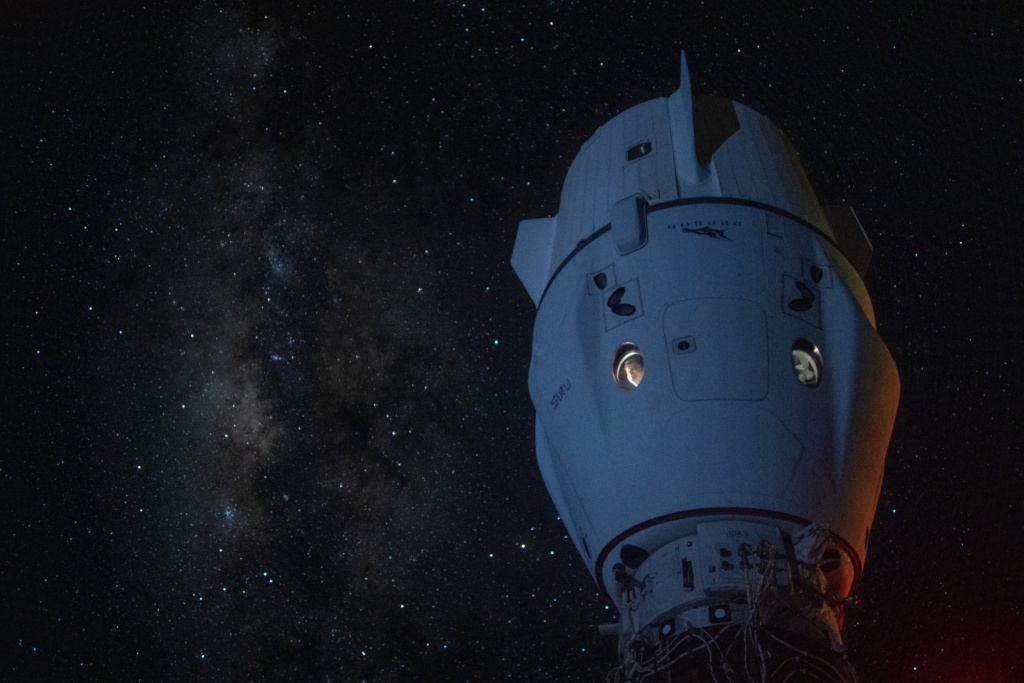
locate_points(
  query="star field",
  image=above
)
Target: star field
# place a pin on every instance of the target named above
(264, 357)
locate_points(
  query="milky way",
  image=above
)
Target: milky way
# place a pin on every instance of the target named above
(293, 408)
(312, 339)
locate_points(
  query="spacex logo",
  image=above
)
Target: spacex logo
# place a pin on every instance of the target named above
(713, 233)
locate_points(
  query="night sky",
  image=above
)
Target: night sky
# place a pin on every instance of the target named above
(264, 358)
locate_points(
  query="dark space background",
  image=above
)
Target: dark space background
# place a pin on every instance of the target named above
(264, 359)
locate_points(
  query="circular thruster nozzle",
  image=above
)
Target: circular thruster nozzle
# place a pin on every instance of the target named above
(628, 368)
(807, 364)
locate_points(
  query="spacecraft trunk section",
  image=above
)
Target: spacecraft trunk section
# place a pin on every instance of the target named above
(713, 401)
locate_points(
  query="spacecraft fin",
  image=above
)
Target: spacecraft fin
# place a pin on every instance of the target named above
(531, 257)
(680, 112)
(700, 125)
(850, 236)
(684, 73)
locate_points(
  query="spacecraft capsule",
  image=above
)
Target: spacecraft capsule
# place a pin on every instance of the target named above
(713, 403)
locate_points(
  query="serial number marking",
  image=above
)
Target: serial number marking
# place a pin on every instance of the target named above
(559, 396)
(709, 223)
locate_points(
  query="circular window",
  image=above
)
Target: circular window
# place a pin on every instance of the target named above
(629, 366)
(807, 365)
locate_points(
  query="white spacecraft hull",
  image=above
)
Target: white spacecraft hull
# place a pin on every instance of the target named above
(707, 375)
